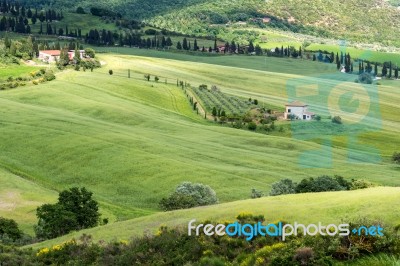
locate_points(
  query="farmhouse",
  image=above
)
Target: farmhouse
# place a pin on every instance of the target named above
(51, 56)
(298, 110)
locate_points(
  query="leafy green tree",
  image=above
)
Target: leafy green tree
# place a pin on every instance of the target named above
(319, 184)
(282, 187)
(10, 228)
(75, 210)
(90, 52)
(258, 50)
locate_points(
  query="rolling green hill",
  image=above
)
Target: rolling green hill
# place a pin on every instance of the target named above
(329, 207)
(131, 141)
(358, 20)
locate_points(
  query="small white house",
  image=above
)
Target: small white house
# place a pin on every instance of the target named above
(298, 110)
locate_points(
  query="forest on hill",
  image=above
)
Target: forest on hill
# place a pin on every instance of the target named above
(356, 20)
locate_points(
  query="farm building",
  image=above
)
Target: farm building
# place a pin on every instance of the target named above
(298, 110)
(54, 55)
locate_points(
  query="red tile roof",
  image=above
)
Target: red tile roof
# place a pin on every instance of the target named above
(51, 52)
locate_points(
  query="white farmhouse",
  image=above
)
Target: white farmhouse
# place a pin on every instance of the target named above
(298, 110)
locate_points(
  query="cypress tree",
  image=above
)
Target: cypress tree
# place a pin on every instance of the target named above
(376, 69)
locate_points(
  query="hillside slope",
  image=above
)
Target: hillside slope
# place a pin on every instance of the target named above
(379, 204)
(132, 142)
(368, 21)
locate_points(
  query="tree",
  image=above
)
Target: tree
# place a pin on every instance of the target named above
(251, 47)
(215, 45)
(9, 227)
(258, 50)
(195, 46)
(110, 72)
(282, 187)
(185, 44)
(75, 210)
(214, 111)
(187, 195)
(179, 46)
(90, 52)
(80, 10)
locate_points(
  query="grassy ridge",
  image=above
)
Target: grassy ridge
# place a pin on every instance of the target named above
(379, 204)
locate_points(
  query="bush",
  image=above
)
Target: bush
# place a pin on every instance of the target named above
(49, 76)
(90, 52)
(110, 72)
(80, 10)
(396, 157)
(188, 195)
(337, 120)
(284, 186)
(365, 78)
(252, 126)
(319, 184)
(9, 228)
(361, 184)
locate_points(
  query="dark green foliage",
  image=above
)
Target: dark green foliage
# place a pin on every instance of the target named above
(284, 186)
(177, 201)
(337, 120)
(110, 72)
(173, 246)
(75, 210)
(188, 195)
(365, 78)
(321, 184)
(9, 228)
(252, 126)
(80, 10)
(396, 157)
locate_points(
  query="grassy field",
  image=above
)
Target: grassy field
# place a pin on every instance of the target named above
(329, 207)
(14, 71)
(119, 137)
(20, 197)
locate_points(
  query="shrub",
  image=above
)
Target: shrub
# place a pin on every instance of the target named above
(284, 186)
(49, 75)
(147, 77)
(177, 201)
(10, 228)
(35, 82)
(110, 72)
(90, 52)
(319, 184)
(256, 194)
(365, 78)
(252, 126)
(337, 120)
(188, 195)
(304, 255)
(361, 184)
(80, 10)
(396, 157)
(156, 79)
(317, 117)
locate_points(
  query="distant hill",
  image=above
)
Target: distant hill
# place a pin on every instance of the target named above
(358, 20)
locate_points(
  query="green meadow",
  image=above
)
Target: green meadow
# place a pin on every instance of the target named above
(327, 208)
(132, 142)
